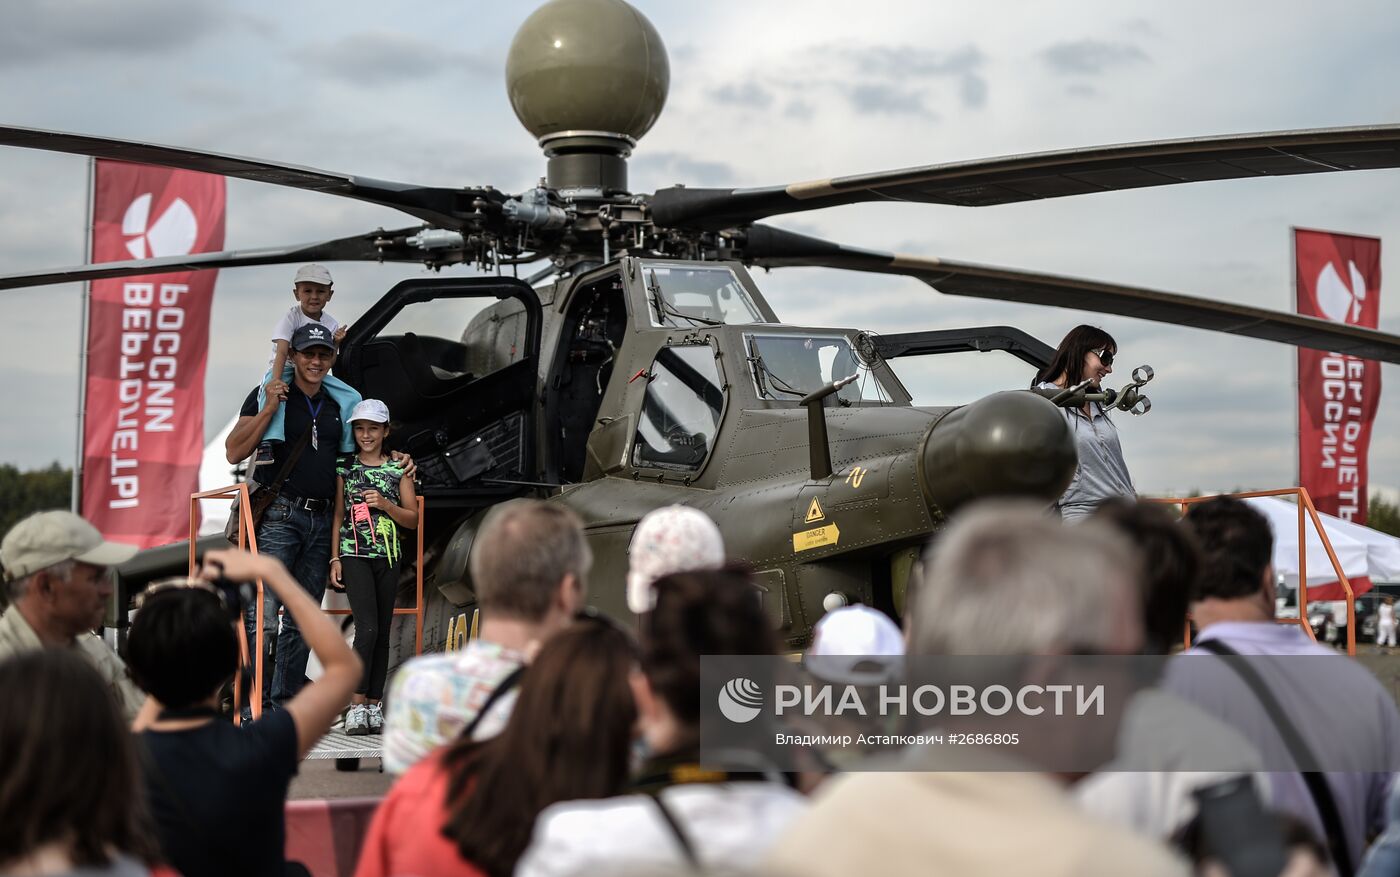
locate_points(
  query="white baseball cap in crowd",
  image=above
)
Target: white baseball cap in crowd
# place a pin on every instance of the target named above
(674, 538)
(848, 645)
(46, 538)
(856, 630)
(313, 273)
(370, 409)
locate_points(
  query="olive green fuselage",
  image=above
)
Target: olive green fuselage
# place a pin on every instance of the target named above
(896, 470)
(628, 386)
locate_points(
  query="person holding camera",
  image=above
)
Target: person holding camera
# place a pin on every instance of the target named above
(218, 791)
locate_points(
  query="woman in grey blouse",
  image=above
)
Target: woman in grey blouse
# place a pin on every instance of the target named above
(1087, 352)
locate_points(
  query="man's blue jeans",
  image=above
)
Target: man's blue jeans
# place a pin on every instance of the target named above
(302, 541)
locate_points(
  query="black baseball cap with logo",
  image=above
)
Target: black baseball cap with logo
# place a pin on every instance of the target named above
(312, 335)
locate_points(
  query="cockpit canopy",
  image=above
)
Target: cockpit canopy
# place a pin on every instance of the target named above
(688, 296)
(788, 365)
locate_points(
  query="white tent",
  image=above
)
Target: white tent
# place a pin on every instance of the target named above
(1351, 552)
(1382, 549)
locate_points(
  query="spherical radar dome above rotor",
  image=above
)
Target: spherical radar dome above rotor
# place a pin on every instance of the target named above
(587, 66)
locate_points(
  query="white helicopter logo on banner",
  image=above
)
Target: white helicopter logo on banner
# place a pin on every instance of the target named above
(172, 234)
(1337, 301)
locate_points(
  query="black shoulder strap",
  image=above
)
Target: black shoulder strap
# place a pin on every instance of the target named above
(1317, 782)
(669, 817)
(276, 485)
(501, 690)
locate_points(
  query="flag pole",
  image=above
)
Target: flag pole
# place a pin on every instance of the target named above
(1297, 388)
(80, 450)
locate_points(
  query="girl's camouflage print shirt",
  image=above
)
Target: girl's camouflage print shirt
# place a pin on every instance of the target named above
(367, 532)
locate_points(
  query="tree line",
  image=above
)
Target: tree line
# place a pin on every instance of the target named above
(37, 489)
(22, 493)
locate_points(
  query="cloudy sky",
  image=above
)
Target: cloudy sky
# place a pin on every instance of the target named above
(762, 92)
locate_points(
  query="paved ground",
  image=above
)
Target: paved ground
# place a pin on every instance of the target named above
(323, 775)
(1385, 666)
(320, 779)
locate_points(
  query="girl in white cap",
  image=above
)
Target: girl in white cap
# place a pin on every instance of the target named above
(373, 499)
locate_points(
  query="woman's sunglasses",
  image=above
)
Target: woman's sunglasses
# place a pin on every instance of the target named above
(1104, 354)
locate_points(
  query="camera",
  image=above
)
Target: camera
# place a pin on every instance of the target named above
(235, 596)
(1233, 828)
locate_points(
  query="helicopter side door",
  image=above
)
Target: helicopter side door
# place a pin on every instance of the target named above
(455, 360)
(681, 411)
(592, 335)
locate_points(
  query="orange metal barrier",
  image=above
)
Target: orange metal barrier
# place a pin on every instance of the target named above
(1306, 510)
(248, 539)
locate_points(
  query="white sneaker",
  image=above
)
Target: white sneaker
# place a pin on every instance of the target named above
(376, 719)
(357, 720)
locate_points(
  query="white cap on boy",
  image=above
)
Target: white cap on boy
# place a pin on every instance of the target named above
(313, 273)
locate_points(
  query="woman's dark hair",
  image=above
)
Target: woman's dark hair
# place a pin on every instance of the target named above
(569, 737)
(1069, 356)
(70, 770)
(1237, 545)
(705, 612)
(1171, 565)
(182, 646)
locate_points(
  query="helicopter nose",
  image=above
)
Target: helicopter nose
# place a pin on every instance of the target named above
(1012, 443)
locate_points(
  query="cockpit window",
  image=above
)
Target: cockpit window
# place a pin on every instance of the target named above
(690, 296)
(681, 413)
(791, 366)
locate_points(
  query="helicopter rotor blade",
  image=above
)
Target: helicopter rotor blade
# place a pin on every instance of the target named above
(774, 248)
(1010, 179)
(434, 205)
(378, 246)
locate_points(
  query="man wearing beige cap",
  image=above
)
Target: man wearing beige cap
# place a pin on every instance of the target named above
(56, 578)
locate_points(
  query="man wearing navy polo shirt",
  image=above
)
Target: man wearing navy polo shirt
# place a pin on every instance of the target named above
(296, 528)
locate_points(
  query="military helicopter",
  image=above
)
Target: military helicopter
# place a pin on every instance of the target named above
(643, 366)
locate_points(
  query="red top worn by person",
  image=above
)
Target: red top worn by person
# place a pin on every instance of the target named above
(467, 810)
(417, 800)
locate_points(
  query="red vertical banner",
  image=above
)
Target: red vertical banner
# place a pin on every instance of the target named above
(1339, 279)
(143, 420)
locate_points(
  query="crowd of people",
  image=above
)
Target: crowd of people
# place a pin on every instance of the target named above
(559, 741)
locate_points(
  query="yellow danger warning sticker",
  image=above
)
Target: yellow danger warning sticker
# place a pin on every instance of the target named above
(816, 537)
(814, 511)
